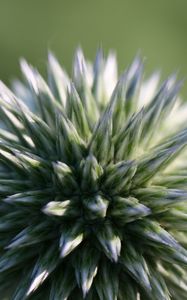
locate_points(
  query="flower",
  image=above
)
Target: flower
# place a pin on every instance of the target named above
(93, 178)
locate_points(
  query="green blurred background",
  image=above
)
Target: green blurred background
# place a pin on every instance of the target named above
(157, 28)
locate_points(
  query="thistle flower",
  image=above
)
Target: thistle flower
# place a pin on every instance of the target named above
(93, 178)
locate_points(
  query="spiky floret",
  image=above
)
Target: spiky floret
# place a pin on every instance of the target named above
(93, 184)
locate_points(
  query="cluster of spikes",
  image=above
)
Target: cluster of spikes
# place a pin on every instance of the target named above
(93, 184)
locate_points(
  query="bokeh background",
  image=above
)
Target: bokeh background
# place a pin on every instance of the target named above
(158, 29)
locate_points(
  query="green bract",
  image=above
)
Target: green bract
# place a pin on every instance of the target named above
(93, 184)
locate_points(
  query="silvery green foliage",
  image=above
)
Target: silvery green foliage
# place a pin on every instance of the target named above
(93, 179)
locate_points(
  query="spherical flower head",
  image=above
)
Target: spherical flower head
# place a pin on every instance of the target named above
(93, 181)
